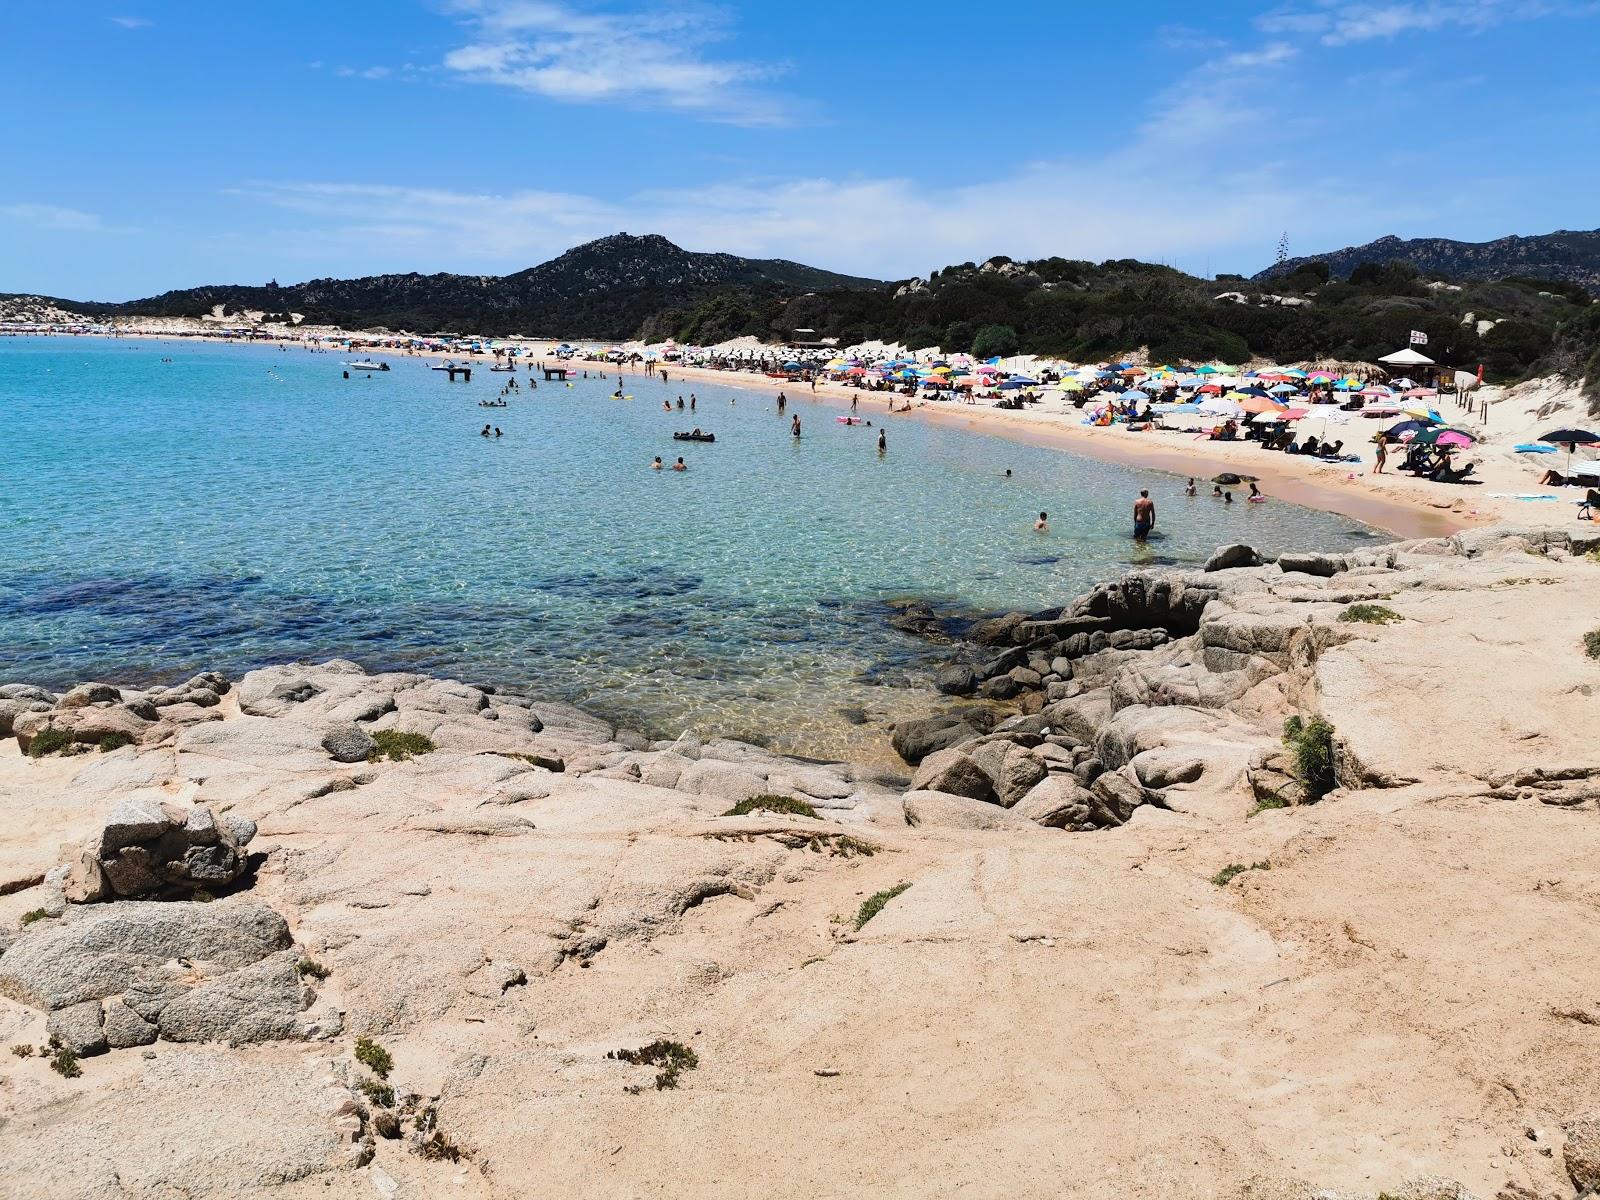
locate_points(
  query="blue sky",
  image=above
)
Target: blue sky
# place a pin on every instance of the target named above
(153, 144)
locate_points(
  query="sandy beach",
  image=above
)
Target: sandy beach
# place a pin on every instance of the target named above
(1393, 502)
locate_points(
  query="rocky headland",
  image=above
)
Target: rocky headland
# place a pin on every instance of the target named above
(1275, 879)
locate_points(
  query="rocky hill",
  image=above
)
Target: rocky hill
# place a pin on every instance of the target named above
(614, 287)
(1571, 256)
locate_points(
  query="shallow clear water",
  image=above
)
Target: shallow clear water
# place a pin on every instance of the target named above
(171, 507)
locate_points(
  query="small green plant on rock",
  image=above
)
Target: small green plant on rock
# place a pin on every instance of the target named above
(398, 747)
(873, 904)
(374, 1057)
(22, 1050)
(1310, 744)
(1370, 614)
(65, 1063)
(37, 914)
(787, 805)
(1230, 872)
(49, 740)
(674, 1058)
(380, 1094)
(115, 741)
(310, 968)
(1591, 643)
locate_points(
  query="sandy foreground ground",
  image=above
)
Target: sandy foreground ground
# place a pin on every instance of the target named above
(1071, 997)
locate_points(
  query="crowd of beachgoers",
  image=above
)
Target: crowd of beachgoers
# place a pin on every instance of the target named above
(1380, 429)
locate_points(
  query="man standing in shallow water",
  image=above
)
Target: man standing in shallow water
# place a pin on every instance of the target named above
(1144, 516)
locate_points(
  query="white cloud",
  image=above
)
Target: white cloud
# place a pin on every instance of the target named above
(132, 22)
(52, 218)
(1341, 23)
(650, 58)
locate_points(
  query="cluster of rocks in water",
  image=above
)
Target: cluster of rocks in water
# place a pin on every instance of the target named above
(1152, 681)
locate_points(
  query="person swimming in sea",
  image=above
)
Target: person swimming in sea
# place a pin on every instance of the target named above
(680, 465)
(795, 427)
(1042, 525)
(1255, 496)
(1216, 491)
(666, 406)
(497, 432)
(486, 430)
(1191, 490)
(883, 442)
(680, 403)
(1227, 497)
(656, 466)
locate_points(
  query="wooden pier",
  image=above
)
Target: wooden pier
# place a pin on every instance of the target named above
(555, 373)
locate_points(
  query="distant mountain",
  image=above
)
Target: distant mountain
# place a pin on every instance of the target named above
(616, 287)
(1565, 255)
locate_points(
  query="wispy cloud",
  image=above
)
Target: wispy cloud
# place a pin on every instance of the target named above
(132, 22)
(52, 218)
(1342, 23)
(650, 58)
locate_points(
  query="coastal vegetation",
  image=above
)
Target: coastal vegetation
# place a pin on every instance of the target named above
(50, 740)
(310, 968)
(1591, 643)
(1233, 870)
(674, 1058)
(374, 1057)
(1310, 745)
(1370, 614)
(64, 1062)
(397, 746)
(873, 904)
(786, 805)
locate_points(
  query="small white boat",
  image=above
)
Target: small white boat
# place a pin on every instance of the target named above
(367, 365)
(507, 367)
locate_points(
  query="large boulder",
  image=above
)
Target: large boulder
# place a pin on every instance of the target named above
(89, 693)
(954, 680)
(13, 707)
(1012, 770)
(87, 725)
(1325, 565)
(914, 740)
(348, 743)
(94, 953)
(149, 846)
(1231, 557)
(954, 772)
(1116, 797)
(79, 1028)
(947, 811)
(1057, 802)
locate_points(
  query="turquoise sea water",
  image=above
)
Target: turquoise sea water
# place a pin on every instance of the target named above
(174, 506)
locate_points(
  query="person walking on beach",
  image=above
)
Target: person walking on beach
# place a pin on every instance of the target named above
(1382, 441)
(1144, 516)
(1042, 525)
